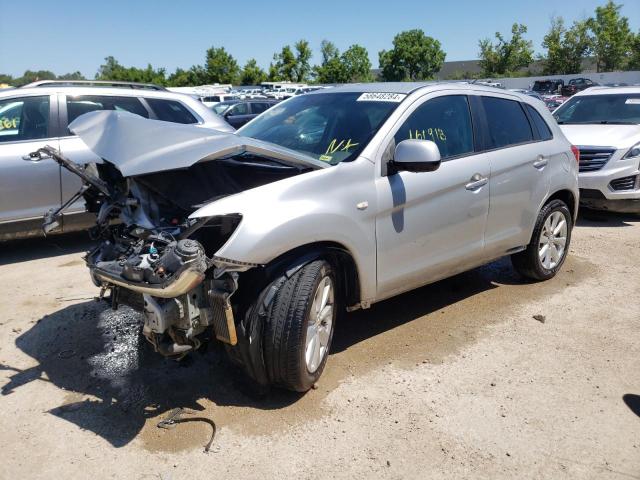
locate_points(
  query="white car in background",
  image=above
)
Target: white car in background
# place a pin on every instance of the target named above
(214, 99)
(604, 123)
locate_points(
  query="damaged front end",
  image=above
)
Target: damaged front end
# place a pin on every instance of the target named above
(166, 271)
(150, 253)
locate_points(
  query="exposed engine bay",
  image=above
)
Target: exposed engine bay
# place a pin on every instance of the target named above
(152, 256)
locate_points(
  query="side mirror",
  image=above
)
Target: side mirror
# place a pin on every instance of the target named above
(415, 156)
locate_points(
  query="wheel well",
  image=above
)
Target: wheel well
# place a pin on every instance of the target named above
(336, 254)
(567, 197)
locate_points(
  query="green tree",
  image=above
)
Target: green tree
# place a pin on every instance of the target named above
(6, 78)
(634, 57)
(71, 76)
(612, 37)
(34, 76)
(565, 48)
(356, 64)
(505, 57)
(414, 56)
(302, 68)
(221, 67)
(331, 70)
(328, 51)
(352, 66)
(110, 70)
(252, 74)
(284, 66)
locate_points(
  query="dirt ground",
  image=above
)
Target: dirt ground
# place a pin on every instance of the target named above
(454, 380)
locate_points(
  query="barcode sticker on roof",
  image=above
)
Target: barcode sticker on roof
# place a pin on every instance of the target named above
(381, 97)
(633, 101)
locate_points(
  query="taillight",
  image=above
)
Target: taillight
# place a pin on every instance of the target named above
(576, 153)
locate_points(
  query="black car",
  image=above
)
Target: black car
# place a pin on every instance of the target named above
(547, 87)
(239, 112)
(576, 85)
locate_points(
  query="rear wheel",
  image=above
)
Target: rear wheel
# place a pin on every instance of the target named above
(549, 244)
(299, 326)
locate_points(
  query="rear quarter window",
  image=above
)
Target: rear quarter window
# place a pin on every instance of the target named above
(544, 132)
(171, 111)
(507, 123)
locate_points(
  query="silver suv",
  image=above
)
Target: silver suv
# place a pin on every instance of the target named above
(327, 202)
(38, 114)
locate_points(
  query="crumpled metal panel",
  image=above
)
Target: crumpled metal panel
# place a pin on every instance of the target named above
(139, 146)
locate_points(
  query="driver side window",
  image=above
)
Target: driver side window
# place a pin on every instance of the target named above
(444, 120)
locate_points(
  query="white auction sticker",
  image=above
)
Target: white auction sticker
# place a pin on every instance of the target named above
(381, 97)
(633, 101)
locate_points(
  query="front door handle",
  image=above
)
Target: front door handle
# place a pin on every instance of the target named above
(477, 181)
(541, 162)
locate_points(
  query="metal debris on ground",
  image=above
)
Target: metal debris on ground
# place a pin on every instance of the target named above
(174, 418)
(540, 318)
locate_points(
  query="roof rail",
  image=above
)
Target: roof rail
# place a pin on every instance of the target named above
(93, 83)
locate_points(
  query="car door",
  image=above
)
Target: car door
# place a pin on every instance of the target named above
(519, 172)
(27, 189)
(431, 225)
(71, 107)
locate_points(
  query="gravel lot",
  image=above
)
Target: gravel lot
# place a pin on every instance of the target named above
(454, 380)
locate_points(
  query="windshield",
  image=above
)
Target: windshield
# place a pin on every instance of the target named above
(612, 108)
(331, 127)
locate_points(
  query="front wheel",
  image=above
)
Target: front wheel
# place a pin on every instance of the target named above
(549, 244)
(299, 327)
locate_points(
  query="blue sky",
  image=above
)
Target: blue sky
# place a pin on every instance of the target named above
(69, 35)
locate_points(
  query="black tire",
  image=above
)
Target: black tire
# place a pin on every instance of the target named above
(285, 327)
(527, 263)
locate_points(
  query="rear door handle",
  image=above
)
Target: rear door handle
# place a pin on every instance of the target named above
(477, 181)
(541, 162)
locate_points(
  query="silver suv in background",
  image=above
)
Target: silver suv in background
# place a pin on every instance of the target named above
(39, 114)
(328, 201)
(604, 123)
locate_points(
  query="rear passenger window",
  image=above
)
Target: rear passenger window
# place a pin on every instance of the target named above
(78, 105)
(171, 111)
(506, 122)
(25, 118)
(443, 120)
(543, 129)
(239, 109)
(259, 107)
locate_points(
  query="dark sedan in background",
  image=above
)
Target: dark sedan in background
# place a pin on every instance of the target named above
(239, 112)
(576, 85)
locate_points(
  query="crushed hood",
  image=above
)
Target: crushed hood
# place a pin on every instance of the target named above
(618, 136)
(138, 146)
